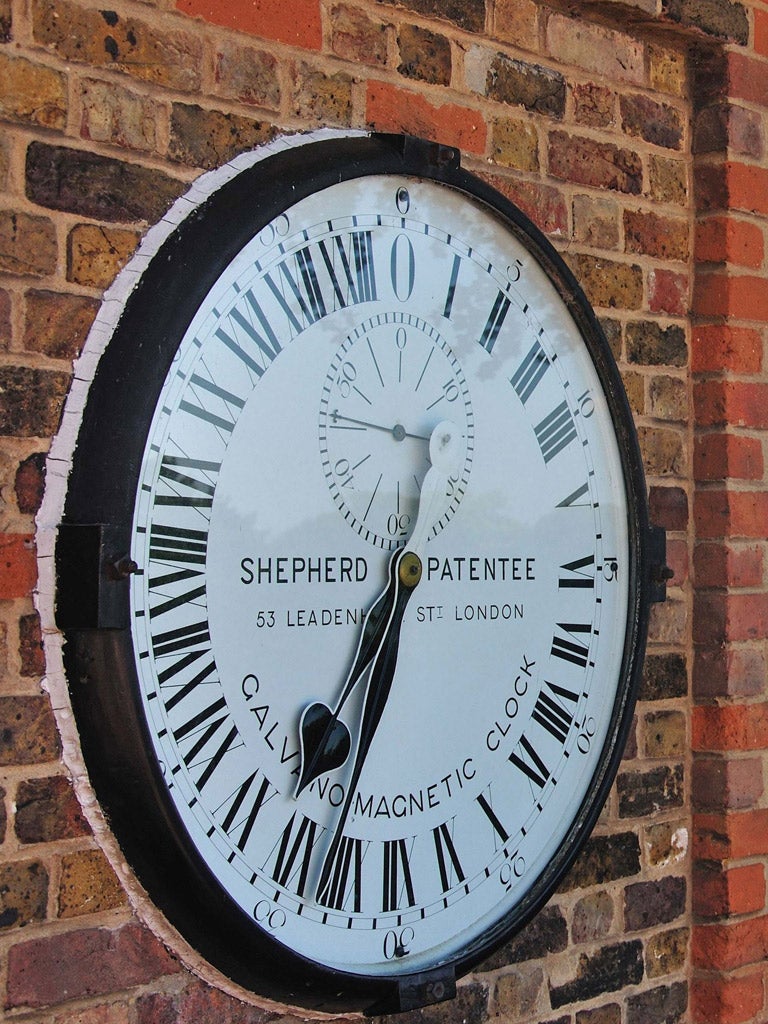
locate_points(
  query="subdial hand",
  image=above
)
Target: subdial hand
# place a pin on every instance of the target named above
(404, 576)
(398, 431)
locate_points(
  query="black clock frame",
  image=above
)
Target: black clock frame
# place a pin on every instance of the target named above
(93, 568)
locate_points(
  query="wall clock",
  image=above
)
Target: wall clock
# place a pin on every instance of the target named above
(354, 572)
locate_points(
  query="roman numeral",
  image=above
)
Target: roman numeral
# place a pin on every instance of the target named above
(191, 643)
(448, 308)
(573, 499)
(579, 580)
(222, 418)
(555, 432)
(448, 863)
(244, 808)
(397, 876)
(358, 276)
(174, 544)
(530, 763)
(571, 650)
(495, 321)
(191, 482)
(345, 877)
(550, 713)
(490, 814)
(266, 343)
(529, 372)
(206, 726)
(295, 853)
(302, 285)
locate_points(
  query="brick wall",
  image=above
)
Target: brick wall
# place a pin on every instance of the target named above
(634, 135)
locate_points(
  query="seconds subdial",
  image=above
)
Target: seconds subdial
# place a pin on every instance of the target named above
(391, 381)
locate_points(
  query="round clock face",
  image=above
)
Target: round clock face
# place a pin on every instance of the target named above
(383, 775)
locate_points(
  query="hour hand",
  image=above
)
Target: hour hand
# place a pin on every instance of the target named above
(324, 739)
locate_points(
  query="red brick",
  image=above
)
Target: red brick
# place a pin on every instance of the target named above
(395, 110)
(727, 1000)
(718, 891)
(747, 187)
(18, 565)
(724, 783)
(83, 964)
(723, 565)
(718, 456)
(731, 835)
(718, 294)
(718, 348)
(297, 23)
(747, 77)
(668, 292)
(730, 727)
(728, 240)
(727, 946)
(732, 403)
(48, 809)
(730, 617)
(724, 672)
(761, 32)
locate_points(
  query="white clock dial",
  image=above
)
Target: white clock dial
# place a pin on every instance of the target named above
(385, 625)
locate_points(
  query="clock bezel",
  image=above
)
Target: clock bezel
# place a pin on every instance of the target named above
(93, 609)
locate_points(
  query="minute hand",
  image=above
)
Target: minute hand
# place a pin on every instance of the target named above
(405, 574)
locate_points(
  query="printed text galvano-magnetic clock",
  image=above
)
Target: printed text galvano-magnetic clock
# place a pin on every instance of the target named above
(354, 572)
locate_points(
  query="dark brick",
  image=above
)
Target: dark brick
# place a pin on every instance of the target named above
(249, 75)
(199, 1004)
(30, 483)
(599, 164)
(31, 646)
(546, 933)
(84, 964)
(5, 319)
(424, 55)
(209, 138)
(356, 37)
(467, 14)
(651, 344)
(608, 970)
(612, 332)
(667, 952)
(644, 793)
(720, 18)
(57, 325)
(23, 893)
(604, 859)
(657, 123)
(664, 676)
(528, 85)
(97, 186)
(652, 903)
(323, 98)
(663, 1005)
(669, 507)
(95, 37)
(6, 21)
(47, 810)
(31, 400)
(28, 733)
(3, 815)
(610, 1014)
(27, 244)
